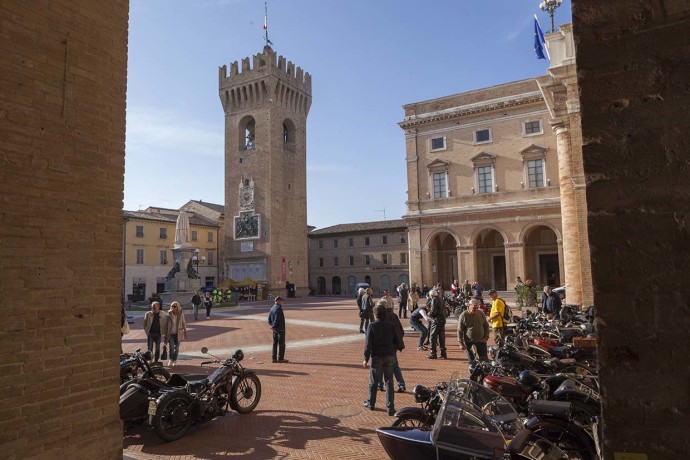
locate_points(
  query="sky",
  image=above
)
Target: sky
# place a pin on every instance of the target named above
(367, 59)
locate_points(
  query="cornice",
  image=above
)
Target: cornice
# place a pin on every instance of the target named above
(472, 109)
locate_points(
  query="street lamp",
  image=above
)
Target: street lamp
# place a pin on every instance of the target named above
(550, 6)
(195, 260)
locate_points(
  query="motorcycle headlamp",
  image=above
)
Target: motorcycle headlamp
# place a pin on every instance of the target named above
(421, 393)
(238, 356)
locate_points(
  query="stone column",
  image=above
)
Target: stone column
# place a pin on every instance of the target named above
(415, 254)
(467, 268)
(515, 261)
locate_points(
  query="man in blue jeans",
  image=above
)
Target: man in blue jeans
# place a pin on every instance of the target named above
(473, 331)
(276, 320)
(416, 318)
(380, 344)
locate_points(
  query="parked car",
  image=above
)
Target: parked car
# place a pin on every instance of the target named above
(361, 285)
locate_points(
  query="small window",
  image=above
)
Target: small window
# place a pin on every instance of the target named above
(195, 235)
(367, 260)
(209, 258)
(320, 261)
(351, 259)
(320, 244)
(140, 256)
(335, 261)
(403, 238)
(335, 243)
(439, 185)
(531, 127)
(350, 242)
(210, 237)
(535, 173)
(384, 240)
(484, 179)
(163, 233)
(403, 258)
(366, 242)
(438, 143)
(384, 259)
(482, 135)
(164, 257)
(140, 231)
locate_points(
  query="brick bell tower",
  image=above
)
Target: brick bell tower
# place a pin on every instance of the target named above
(266, 104)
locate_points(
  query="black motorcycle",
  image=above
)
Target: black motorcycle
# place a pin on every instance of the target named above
(137, 366)
(424, 417)
(477, 423)
(173, 411)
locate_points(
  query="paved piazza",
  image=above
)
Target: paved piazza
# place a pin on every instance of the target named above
(310, 407)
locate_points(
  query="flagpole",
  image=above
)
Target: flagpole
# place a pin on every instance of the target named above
(266, 23)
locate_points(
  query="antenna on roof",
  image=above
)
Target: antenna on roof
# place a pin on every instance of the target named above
(383, 211)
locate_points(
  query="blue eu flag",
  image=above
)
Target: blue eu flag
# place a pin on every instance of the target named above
(539, 42)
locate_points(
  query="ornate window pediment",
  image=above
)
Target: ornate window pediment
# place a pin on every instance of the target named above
(483, 159)
(533, 151)
(438, 165)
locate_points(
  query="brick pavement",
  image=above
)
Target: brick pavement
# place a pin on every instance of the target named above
(311, 407)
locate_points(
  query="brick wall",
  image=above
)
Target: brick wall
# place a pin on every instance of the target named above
(62, 132)
(633, 65)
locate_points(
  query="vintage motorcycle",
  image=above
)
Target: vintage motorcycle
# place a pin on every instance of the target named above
(172, 408)
(430, 400)
(137, 366)
(477, 423)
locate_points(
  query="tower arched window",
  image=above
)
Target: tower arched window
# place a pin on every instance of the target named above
(288, 136)
(247, 133)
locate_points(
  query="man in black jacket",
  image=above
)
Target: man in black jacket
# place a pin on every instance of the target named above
(276, 320)
(437, 325)
(381, 343)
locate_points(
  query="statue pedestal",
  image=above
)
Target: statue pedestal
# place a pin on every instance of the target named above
(185, 282)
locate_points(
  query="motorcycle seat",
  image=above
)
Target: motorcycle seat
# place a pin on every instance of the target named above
(559, 409)
(559, 352)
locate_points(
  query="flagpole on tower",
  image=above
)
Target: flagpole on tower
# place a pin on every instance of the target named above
(268, 42)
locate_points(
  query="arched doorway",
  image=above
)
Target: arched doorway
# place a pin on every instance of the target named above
(541, 256)
(444, 258)
(385, 282)
(491, 260)
(351, 283)
(321, 285)
(335, 285)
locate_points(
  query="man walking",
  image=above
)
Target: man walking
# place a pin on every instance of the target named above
(155, 326)
(498, 307)
(392, 318)
(473, 331)
(196, 301)
(276, 320)
(437, 325)
(380, 344)
(403, 294)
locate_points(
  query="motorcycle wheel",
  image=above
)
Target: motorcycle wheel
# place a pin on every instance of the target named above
(158, 373)
(411, 420)
(172, 419)
(574, 447)
(245, 393)
(582, 371)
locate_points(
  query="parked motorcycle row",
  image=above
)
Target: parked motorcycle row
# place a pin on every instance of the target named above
(537, 398)
(172, 404)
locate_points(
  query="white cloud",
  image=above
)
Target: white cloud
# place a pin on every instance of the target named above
(160, 132)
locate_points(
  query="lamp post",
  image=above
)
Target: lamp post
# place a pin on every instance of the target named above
(195, 260)
(550, 6)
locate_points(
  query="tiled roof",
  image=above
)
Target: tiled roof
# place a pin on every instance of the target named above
(361, 227)
(216, 207)
(194, 219)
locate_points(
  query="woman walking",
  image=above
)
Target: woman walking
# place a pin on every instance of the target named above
(176, 327)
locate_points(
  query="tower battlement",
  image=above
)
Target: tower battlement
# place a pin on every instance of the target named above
(262, 65)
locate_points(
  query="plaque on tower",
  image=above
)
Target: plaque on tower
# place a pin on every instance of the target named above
(246, 197)
(247, 226)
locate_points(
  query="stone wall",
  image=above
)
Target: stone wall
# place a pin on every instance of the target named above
(62, 134)
(633, 70)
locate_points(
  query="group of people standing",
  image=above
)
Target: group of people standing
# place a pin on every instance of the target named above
(167, 327)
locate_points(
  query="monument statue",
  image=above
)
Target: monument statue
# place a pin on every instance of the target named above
(183, 232)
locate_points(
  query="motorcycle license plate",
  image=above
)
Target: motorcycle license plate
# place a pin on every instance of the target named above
(152, 407)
